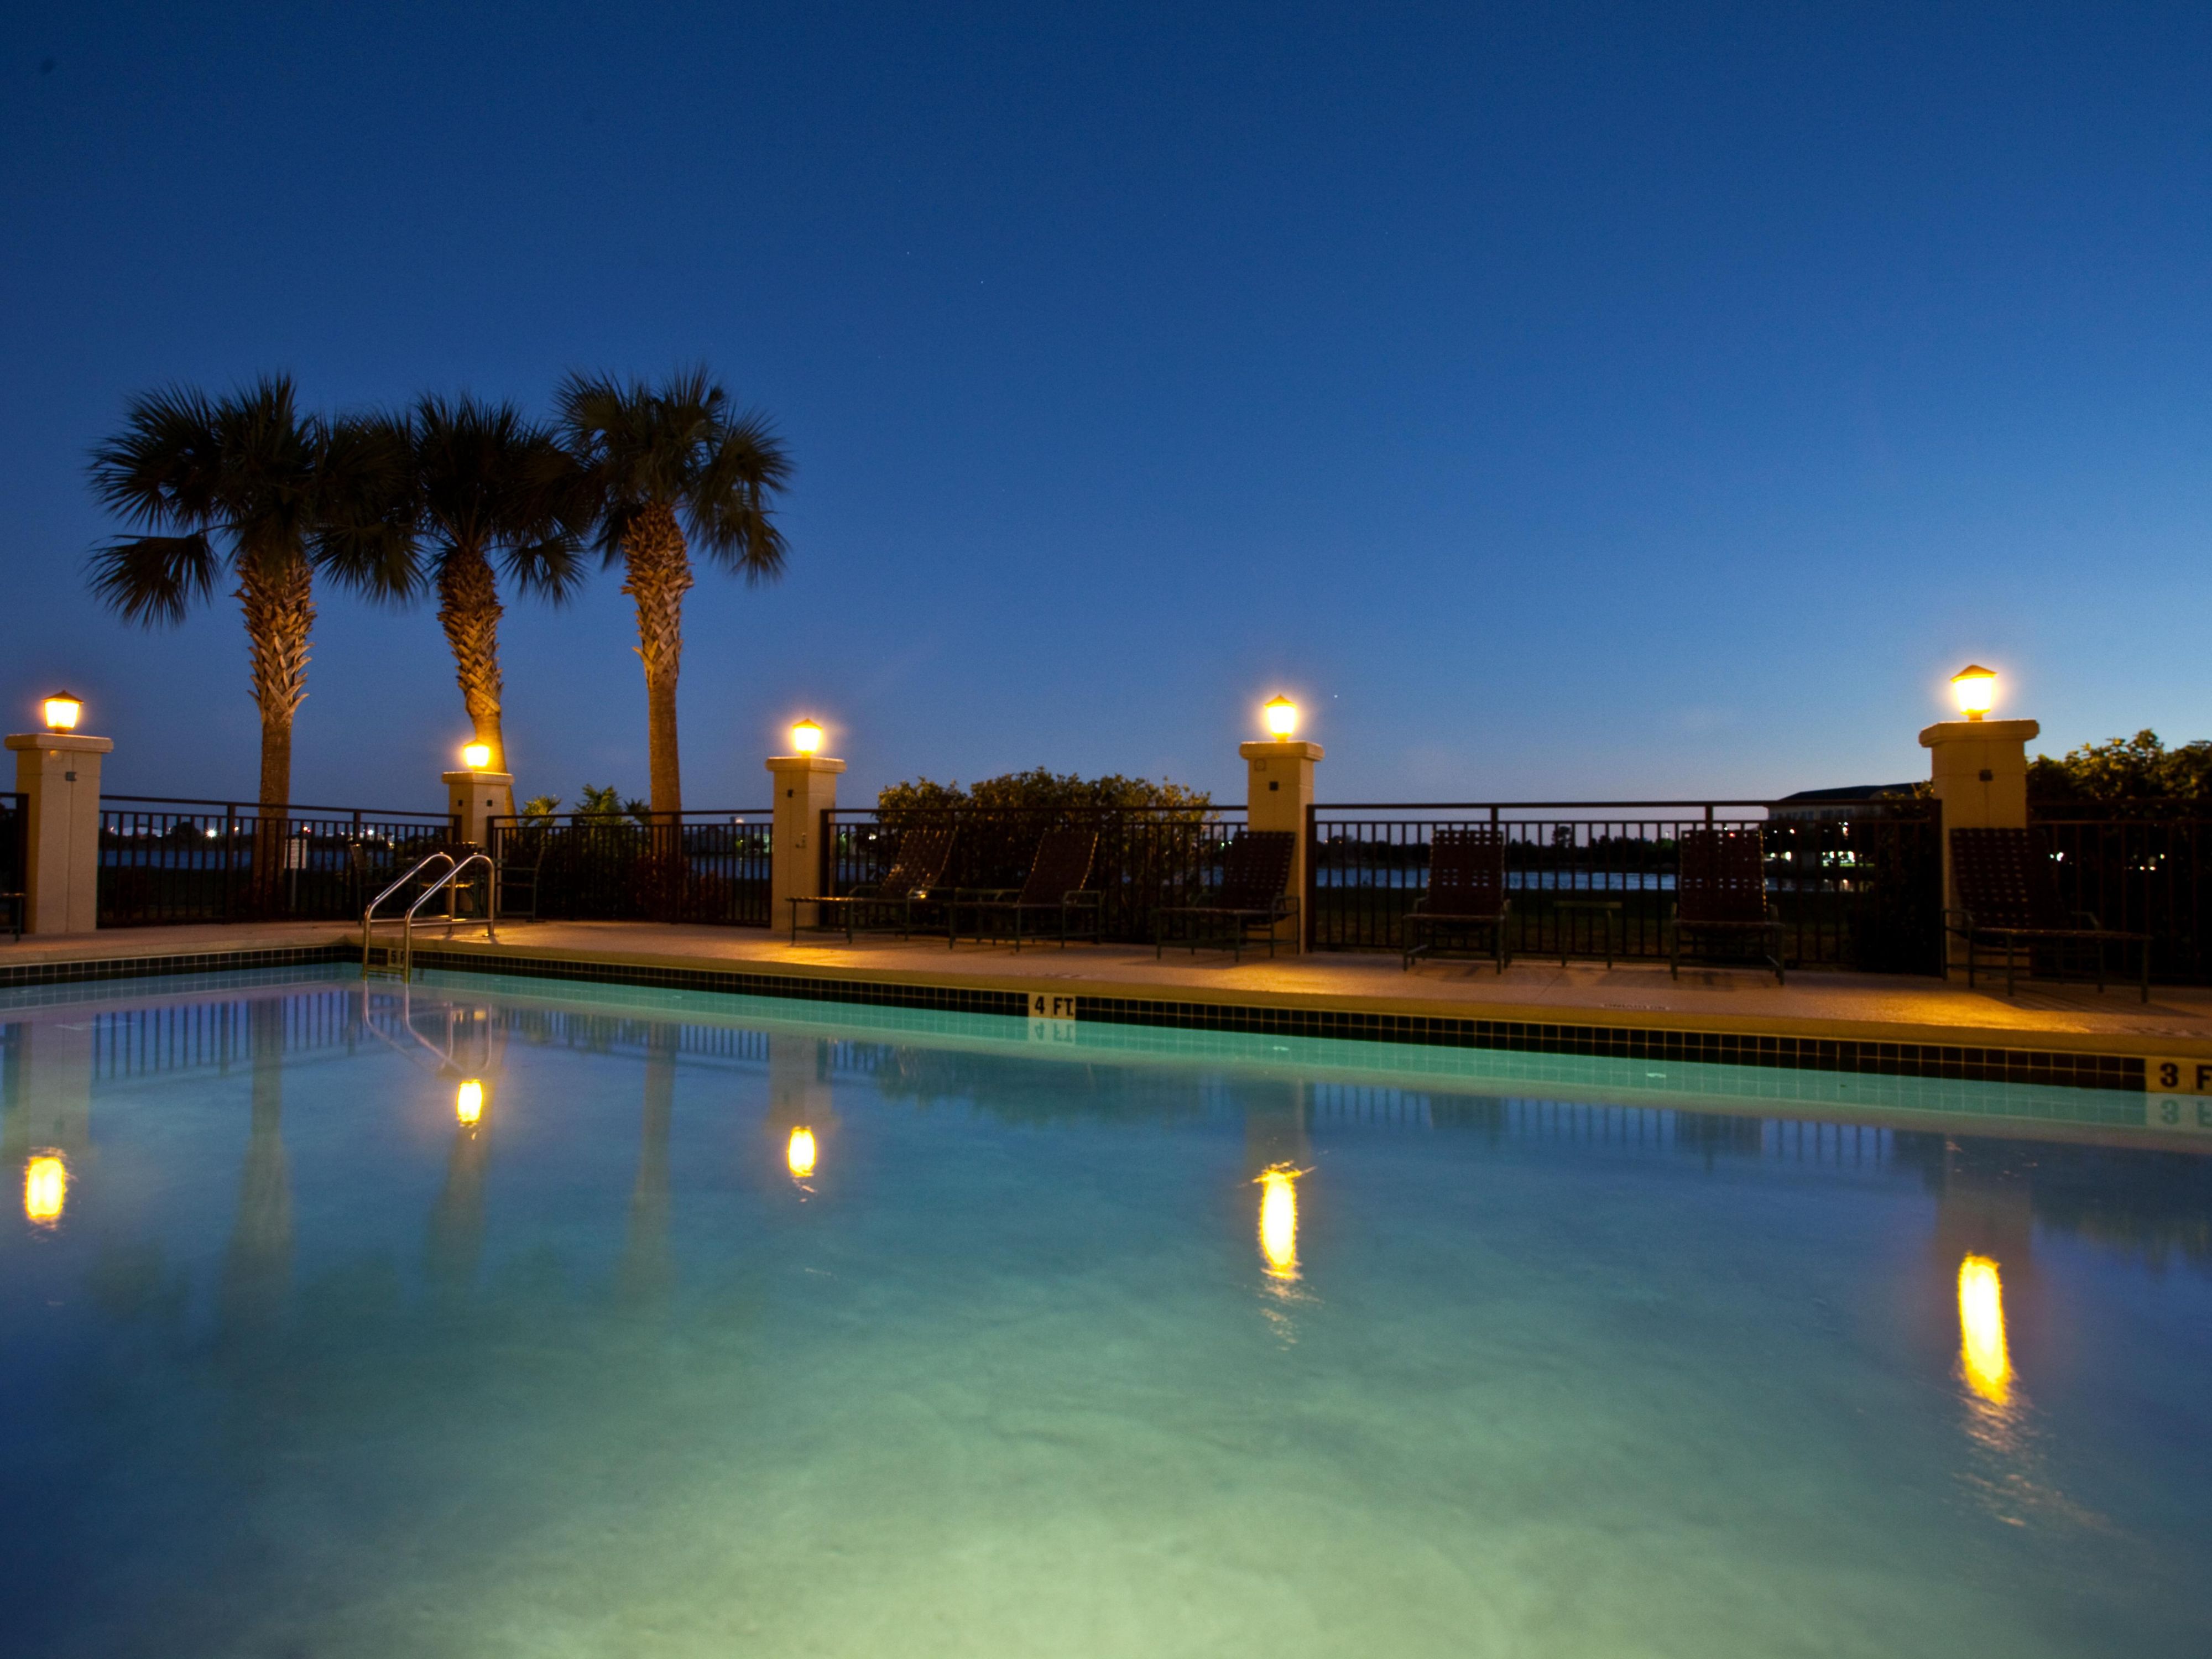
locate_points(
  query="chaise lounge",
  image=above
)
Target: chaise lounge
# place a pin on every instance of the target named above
(916, 870)
(1720, 897)
(1255, 872)
(2008, 898)
(1467, 893)
(1053, 895)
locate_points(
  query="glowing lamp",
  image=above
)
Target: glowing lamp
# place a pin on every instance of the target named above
(45, 1188)
(1976, 689)
(1983, 1355)
(62, 710)
(1280, 716)
(806, 737)
(799, 1154)
(1279, 1223)
(468, 1103)
(476, 755)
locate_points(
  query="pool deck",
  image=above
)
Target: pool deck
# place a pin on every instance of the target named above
(1860, 1008)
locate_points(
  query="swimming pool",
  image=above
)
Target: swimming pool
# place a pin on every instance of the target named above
(494, 1316)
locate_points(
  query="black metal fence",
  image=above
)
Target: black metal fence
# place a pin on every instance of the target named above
(1593, 878)
(706, 866)
(2145, 874)
(165, 861)
(15, 843)
(1147, 856)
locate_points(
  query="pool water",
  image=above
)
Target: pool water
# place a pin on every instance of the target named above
(503, 1317)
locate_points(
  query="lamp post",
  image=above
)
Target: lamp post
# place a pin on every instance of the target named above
(1279, 788)
(1978, 766)
(57, 773)
(806, 788)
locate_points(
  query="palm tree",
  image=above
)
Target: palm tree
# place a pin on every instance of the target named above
(648, 454)
(486, 482)
(283, 493)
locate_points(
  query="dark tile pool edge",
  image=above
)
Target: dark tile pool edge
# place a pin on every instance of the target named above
(2056, 1069)
(18, 975)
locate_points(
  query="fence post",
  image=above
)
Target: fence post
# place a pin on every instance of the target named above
(57, 773)
(474, 797)
(805, 789)
(1278, 788)
(1979, 768)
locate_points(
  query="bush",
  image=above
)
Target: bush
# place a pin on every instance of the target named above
(2140, 767)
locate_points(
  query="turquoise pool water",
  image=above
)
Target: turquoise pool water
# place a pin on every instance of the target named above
(1020, 1349)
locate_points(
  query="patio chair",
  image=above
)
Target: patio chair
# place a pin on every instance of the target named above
(916, 870)
(1254, 871)
(1052, 894)
(14, 902)
(1720, 895)
(522, 858)
(2008, 898)
(1467, 892)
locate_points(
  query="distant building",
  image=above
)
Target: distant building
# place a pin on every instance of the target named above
(1857, 800)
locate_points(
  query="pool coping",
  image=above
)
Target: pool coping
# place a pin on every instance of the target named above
(2102, 1061)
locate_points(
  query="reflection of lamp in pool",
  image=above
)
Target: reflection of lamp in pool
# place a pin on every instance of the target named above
(1982, 1352)
(45, 1188)
(1279, 1222)
(468, 1103)
(799, 1154)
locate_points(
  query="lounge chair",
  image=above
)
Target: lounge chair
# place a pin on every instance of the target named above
(2008, 897)
(916, 870)
(1053, 895)
(1720, 894)
(1466, 891)
(1254, 871)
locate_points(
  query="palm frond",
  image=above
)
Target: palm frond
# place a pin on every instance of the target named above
(164, 469)
(153, 580)
(731, 498)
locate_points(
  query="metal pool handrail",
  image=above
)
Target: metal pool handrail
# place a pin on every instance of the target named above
(450, 880)
(369, 913)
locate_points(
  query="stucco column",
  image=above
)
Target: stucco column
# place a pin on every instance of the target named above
(57, 773)
(806, 788)
(477, 798)
(1279, 787)
(1979, 768)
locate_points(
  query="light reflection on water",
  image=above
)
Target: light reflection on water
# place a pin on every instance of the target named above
(1008, 1347)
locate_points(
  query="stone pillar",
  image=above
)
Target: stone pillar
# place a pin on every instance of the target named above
(57, 773)
(476, 798)
(1279, 787)
(1979, 768)
(806, 788)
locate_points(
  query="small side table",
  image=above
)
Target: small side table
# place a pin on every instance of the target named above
(1607, 909)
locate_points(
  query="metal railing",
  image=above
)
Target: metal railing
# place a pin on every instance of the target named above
(1147, 856)
(165, 860)
(697, 866)
(1597, 877)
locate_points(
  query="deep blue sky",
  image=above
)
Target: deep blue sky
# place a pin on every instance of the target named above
(1559, 401)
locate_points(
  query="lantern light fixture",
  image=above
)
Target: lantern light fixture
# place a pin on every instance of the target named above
(476, 757)
(1280, 716)
(62, 710)
(806, 738)
(1976, 689)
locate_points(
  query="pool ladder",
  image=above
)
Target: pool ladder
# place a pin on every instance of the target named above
(448, 882)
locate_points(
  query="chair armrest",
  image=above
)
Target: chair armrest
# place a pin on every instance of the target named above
(1080, 896)
(2089, 918)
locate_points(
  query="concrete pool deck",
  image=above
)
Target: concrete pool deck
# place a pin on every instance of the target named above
(1859, 1009)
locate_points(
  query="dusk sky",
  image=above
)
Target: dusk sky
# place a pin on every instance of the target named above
(1561, 403)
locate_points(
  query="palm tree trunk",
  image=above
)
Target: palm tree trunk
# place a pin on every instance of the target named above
(469, 610)
(658, 575)
(280, 612)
